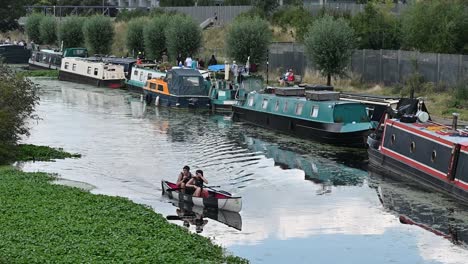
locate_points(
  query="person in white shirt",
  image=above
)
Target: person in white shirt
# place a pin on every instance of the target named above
(188, 62)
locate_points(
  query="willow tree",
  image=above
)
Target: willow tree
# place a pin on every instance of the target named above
(70, 32)
(183, 35)
(32, 27)
(48, 30)
(248, 37)
(154, 36)
(329, 44)
(98, 33)
(134, 37)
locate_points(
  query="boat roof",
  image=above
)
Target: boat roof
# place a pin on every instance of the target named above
(435, 131)
(185, 72)
(50, 51)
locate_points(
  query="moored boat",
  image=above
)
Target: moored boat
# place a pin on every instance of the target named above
(216, 199)
(319, 115)
(46, 59)
(408, 144)
(94, 72)
(140, 74)
(180, 88)
(11, 53)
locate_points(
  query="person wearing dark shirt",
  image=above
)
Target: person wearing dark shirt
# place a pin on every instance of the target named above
(197, 182)
(212, 61)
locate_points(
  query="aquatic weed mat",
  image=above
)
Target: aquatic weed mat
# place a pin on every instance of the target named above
(44, 223)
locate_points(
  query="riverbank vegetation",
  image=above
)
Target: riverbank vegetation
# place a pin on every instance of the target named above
(43, 223)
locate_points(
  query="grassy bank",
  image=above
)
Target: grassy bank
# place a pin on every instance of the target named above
(45, 223)
(39, 73)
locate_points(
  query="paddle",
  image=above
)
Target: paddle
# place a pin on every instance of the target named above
(211, 188)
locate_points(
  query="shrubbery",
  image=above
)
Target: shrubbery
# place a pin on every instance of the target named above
(14, 115)
(248, 37)
(134, 37)
(70, 32)
(47, 30)
(294, 16)
(329, 44)
(155, 37)
(98, 33)
(33, 27)
(183, 36)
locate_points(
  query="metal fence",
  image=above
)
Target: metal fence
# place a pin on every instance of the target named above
(224, 14)
(380, 66)
(346, 8)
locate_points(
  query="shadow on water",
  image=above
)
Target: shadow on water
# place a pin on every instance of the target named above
(431, 211)
(197, 216)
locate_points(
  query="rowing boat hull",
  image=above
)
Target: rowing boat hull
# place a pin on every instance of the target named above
(215, 199)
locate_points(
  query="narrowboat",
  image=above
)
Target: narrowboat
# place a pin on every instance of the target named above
(11, 53)
(408, 144)
(195, 215)
(216, 199)
(46, 59)
(140, 74)
(180, 88)
(319, 115)
(93, 72)
(127, 63)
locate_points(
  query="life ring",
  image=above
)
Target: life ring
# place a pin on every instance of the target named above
(156, 101)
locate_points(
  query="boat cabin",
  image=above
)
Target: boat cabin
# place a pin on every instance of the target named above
(11, 53)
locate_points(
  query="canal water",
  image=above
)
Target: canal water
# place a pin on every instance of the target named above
(303, 202)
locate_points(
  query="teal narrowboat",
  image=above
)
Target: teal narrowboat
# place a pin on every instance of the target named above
(11, 53)
(316, 115)
(140, 73)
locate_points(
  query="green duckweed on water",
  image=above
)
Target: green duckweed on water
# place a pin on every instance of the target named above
(38, 73)
(45, 223)
(28, 152)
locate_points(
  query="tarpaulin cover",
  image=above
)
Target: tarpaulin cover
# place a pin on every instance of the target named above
(186, 82)
(217, 67)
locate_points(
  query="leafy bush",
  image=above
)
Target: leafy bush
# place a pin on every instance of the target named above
(330, 43)
(435, 26)
(294, 16)
(183, 35)
(48, 30)
(98, 33)
(70, 32)
(134, 38)
(17, 101)
(32, 27)
(376, 29)
(154, 36)
(460, 96)
(248, 37)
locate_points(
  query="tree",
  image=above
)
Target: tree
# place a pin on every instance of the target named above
(183, 36)
(98, 33)
(329, 44)
(267, 6)
(10, 11)
(154, 36)
(70, 32)
(18, 99)
(435, 26)
(248, 37)
(33, 27)
(134, 37)
(48, 30)
(376, 29)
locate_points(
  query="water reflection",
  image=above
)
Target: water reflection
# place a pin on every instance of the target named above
(428, 210)
(196, 216)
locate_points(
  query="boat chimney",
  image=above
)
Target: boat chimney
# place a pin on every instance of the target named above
(455, 120)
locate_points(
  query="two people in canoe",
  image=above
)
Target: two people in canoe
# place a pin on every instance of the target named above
(195, 182)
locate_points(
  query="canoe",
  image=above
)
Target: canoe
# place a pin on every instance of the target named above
(216, 199)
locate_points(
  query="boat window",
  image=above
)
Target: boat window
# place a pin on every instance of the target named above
(74, 67)
(433, 155)
(66, 65)
(135, 72)
(149, 76)
(160, 87)
(392, 140)
(412, 147)
(299, 108)
(285, 106)
(277, 105)
(315, 111)
(95, 71)
(89, 70)
(141, 76)
(153, 86)
(191, 81)
(265, 103)
(251, 101)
